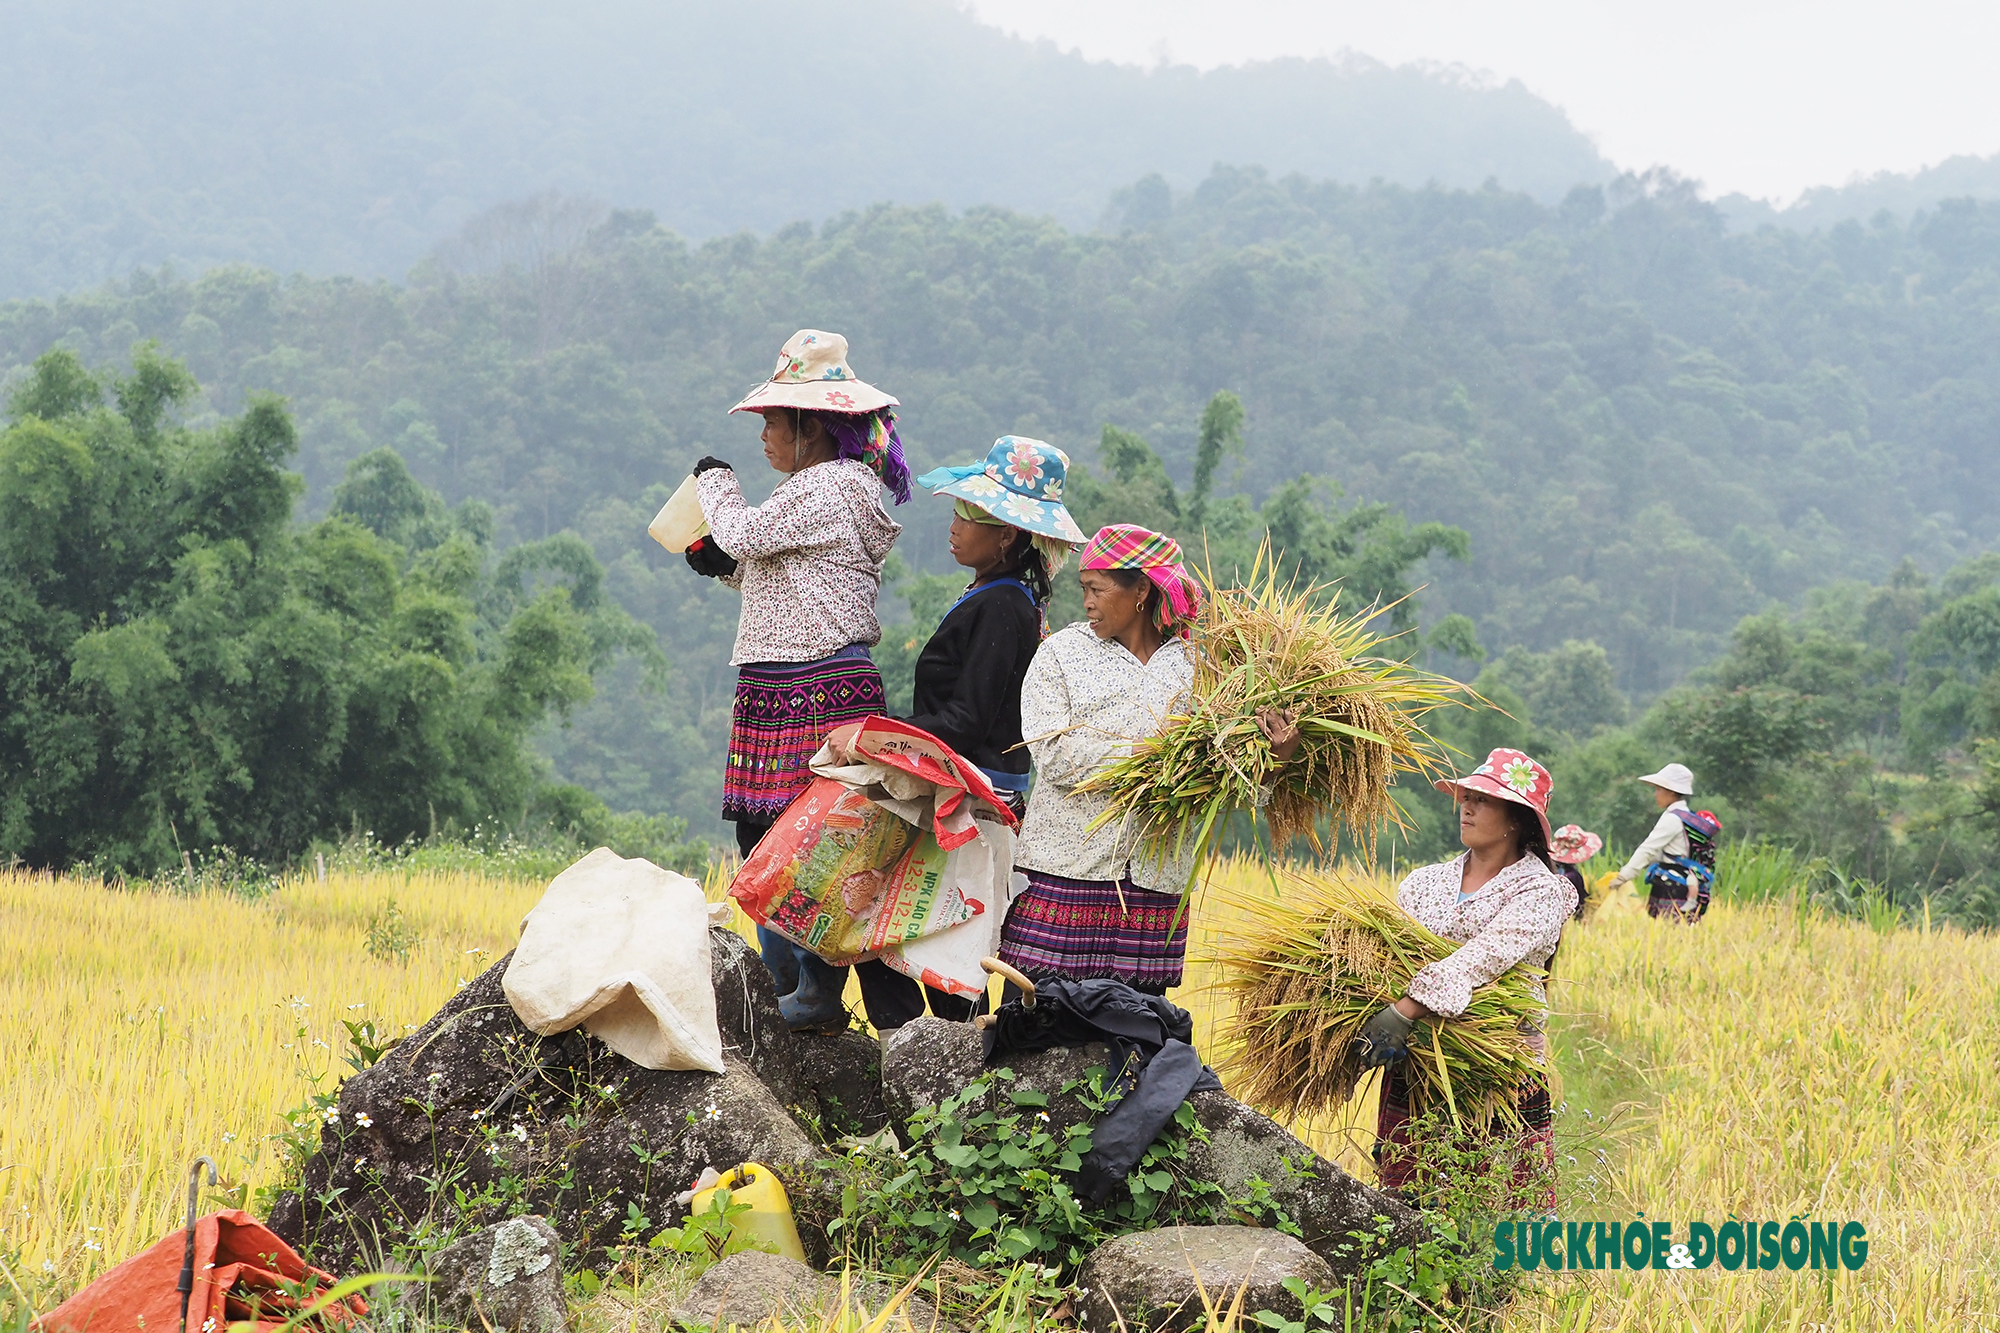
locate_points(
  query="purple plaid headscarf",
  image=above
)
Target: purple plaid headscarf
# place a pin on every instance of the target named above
(870, 437)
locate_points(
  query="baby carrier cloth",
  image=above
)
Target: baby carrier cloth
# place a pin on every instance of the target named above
(1670, 880)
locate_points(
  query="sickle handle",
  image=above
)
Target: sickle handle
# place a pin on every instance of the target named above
(186, 1286)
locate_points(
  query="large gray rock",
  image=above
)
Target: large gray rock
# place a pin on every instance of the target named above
(474, 1118)
(507, 1277)
(753, 1031)
(1330, 1206)
(747, 1289)
(928, 1060)
(1155, 1280)
(844, 1072)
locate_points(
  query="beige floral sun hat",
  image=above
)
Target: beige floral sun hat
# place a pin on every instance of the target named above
(812, 373)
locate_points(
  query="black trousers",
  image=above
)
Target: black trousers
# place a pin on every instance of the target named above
(893, 999)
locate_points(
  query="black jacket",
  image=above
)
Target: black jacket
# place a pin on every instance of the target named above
(1154, 1063)
(968, 677)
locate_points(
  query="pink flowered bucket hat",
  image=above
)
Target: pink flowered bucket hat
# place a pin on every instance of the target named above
(1573, 845)
(813, 374)
(1511, 776)
(1021, 482)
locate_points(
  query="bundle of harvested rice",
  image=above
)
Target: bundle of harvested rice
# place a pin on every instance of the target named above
(1274, 644)
(1308, 966)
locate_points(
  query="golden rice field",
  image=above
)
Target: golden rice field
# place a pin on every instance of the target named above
(1763, 1065)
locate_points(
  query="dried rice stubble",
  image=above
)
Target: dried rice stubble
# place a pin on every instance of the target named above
(1272, 642)
(1308, 967)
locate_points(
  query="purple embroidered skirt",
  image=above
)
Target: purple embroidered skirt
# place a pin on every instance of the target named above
(1077, 929)
(783, 712)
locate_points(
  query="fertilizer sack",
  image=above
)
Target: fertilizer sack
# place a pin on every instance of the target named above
(884, 847)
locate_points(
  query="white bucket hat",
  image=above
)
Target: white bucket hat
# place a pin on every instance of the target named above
(812, 373)
(1674, 777)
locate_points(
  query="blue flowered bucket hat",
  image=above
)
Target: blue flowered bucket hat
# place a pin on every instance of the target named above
(1021, 482)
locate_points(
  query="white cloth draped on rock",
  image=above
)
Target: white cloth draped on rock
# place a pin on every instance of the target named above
(620, 949)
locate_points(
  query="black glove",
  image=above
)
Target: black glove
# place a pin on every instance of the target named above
(708, 461)
(1385, 1038)
(707, 559)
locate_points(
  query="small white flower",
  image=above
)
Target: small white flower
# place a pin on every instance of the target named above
(228, 1137)
(48, 1265)
(362, 1005)
(92, 1245)
(332, 1115)
(437, 1076)
(954, 1214)
(480, 1114)
(322, 1045)
(520, 1132)
(713, 1113)
(361, 1119)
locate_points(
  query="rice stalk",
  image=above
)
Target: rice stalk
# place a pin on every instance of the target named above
(1272, 642)
(1307, 968)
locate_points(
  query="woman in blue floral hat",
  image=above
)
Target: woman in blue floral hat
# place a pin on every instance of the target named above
(1009, 527)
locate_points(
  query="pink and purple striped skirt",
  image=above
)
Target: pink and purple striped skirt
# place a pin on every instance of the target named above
(1078, 929)
(783, 713)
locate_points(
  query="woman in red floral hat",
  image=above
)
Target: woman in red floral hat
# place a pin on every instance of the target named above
(1503, 900)
(1571, 846)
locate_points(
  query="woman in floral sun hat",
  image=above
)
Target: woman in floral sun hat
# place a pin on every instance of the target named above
(1503, 901)
(1570, 847)
(809, 564)
(1010, 529)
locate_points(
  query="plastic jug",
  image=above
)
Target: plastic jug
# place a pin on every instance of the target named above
(679, 522)
(770, 1216)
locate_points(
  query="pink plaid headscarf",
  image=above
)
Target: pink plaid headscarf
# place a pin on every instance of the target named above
(1158, 556)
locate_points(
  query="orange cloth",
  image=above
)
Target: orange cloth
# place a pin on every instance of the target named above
(241, 1271)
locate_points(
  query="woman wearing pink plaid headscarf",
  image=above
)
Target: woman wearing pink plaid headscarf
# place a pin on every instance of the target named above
(1095, 906)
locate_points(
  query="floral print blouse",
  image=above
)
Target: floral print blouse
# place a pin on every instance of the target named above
(1084, 702)
(809, 559)
(1515, 917)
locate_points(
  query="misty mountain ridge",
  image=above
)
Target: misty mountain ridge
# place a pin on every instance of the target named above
(1901, 194)
(350, 140)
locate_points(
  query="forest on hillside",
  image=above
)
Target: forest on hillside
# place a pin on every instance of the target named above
(347, 139)
(1647, 427)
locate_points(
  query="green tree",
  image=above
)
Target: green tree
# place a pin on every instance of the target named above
(183, 668)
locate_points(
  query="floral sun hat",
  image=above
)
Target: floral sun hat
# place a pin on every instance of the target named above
(812, 373)
(1511, 776)
(1021, 482)
(1573, 845)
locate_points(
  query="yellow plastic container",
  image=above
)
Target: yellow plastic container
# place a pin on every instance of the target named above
(679, 522)
(770, 1217)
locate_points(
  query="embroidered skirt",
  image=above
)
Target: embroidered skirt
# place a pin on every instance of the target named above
(783, 712)
(1076, 929)
(1400, 1162)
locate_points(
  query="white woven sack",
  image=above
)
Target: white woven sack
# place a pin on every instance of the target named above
(621, 948)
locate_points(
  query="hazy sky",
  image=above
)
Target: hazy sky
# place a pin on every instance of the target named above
(1763, 96)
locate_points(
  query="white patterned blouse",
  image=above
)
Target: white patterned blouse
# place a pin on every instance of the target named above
(809, 559)
(1515, 917)
(1084, 702)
